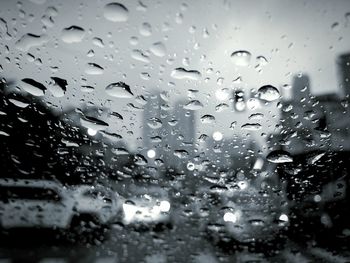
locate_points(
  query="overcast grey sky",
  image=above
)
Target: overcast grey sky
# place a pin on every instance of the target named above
(293, 37)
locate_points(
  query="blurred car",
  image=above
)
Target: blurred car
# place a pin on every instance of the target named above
(97, 203)
(48, 204)
(148, 206)
(247, 215)
(34, 203)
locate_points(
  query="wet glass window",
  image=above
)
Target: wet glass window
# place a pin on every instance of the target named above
(174, 131)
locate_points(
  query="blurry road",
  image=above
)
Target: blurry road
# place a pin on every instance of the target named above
(182, 243)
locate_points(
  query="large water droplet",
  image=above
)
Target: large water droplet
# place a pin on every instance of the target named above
(33, 87)
(29, 40)
(268, 93)
(279, 156)
(119, 90)
(116, 12)
(181, 73)
(241, 58)
(72, 34)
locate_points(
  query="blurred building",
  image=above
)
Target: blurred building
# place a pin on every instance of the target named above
(315, 122)
(168, 132)
(343, 63)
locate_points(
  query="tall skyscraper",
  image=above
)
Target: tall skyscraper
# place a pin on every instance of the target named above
(343, 63)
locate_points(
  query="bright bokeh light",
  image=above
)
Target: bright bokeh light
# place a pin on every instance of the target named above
(218, 136)
(91, 132)
(164, 206)
(190, 166)
(240, 106)
(151, 153)
(230, 217)
(283, 218)
(222, 94)
(243, 185)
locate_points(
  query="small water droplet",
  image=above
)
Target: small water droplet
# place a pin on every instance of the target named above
(93, 69)
(279, 156)
(181, 73)
(241, 58)
(158, 49)
(119, 90)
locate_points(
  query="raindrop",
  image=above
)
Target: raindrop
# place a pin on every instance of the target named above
(181, 73)
(116, 12)
(33, 87)
(279, 156)
(146, 29)
(72, 34)
(251, 126)
(119, 90)
(58, 87)
(182, 154)
(98, 42)
(29, 40)
(193, 105)
(241, 58)
(154, 123)
(207, 119)
(93, 69)
(87, 89)
(140, 56)
(268, 93)
(158, 49)
(93, 123)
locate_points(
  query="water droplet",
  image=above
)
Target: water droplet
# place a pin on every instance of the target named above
(146, 29)
(140, 56)
(154, 123)
(182, 154)
(93, 123)
(181, 73)
(251, 126)
(193, 105)
(93, 69)
(279, 156)
(87, 89)
(58, 87)
(207, 119)
(98, 42)
(116, 12)
(158, 49)
(72, 34)
(241, 58)
(119, 90)
(29, 40)
(268, 93)
(33, 87)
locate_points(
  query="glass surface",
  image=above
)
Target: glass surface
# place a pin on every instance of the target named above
(174, 131)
